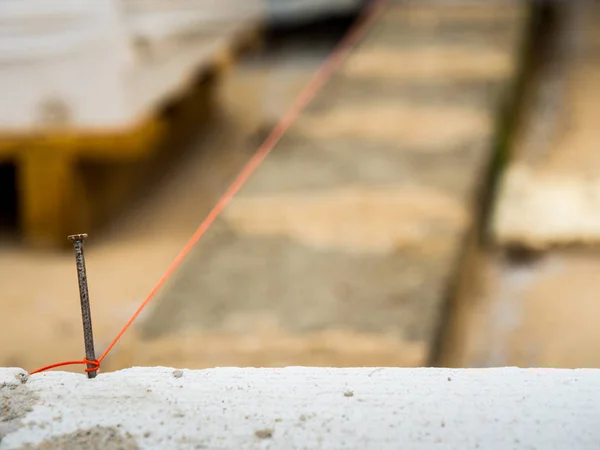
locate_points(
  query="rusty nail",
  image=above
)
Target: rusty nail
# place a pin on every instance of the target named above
(84, 297)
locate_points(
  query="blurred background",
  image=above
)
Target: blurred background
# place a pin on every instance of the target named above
(437, 203)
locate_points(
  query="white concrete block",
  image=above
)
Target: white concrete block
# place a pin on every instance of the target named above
(296, 407)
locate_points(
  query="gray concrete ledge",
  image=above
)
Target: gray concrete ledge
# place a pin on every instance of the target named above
(296, 407)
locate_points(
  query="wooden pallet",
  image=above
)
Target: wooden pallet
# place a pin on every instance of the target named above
(54, 198)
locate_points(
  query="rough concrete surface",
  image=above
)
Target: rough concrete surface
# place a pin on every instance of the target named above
(303, 407)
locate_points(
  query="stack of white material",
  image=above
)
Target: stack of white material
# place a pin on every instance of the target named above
(106, 65)
(157, 19)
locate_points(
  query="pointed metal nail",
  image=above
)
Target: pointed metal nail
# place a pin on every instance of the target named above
(84, 297)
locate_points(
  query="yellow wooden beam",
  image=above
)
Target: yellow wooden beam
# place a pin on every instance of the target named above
(45, 183)
(126, 145)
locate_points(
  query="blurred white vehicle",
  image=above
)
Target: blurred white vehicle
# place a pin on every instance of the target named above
(295, 11)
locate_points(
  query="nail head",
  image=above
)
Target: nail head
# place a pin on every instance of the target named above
(77, 237)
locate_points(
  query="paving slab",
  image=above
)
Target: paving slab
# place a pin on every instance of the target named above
(532, 299)
(354, 227)
(549, 194)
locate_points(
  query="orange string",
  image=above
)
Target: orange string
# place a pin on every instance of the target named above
(321, 77)
(94, 363)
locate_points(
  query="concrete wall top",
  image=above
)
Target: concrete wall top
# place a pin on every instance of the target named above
(363, 408)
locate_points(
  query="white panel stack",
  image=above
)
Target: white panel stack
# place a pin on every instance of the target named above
(105, 65)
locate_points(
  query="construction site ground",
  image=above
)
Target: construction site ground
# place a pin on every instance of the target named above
(129, 256)
(264, 288)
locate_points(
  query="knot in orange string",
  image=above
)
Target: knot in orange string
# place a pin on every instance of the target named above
(93, 364)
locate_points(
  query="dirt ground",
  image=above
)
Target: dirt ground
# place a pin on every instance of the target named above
(534, 303)
(538, 307)
(40, 321)
(534, 310)
(531, 312)
(326, 320)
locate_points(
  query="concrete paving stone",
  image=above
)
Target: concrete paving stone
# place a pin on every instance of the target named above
(549, 192)
(373, 408)
(317, 244)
